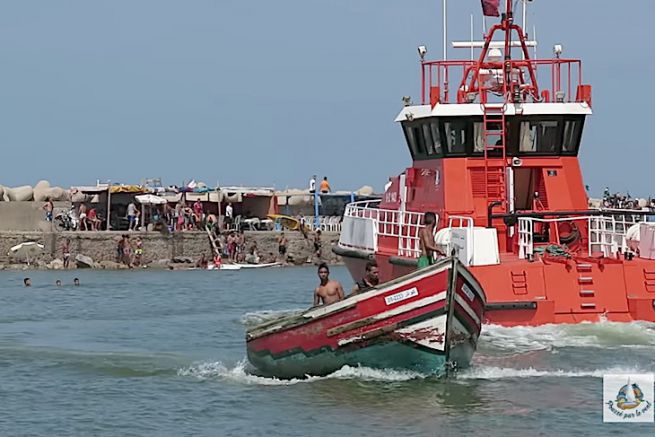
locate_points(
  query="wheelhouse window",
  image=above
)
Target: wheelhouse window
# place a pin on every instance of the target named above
(436, 137)
(457, 134)
(540, 136)
(572, 134)
(423, 138)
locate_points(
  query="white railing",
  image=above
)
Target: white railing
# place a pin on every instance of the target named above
(606, 234)
(363, 223)
(460, 221)
(526, 243)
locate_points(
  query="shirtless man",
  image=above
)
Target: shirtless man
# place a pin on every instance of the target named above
(282, 247)
(426, 238)
(48, 207)
(328, 291)
(66, 252)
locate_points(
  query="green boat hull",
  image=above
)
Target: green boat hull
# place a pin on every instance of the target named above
(384, 355)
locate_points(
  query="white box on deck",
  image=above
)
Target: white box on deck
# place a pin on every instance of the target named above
(476, 246)
(647, 240)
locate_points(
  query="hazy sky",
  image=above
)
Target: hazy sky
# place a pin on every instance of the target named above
(269, 92)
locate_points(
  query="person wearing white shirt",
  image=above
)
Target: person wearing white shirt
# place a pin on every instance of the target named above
(228, 215)
(312, 185)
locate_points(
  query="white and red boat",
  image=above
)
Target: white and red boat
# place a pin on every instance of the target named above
(428, 321)
(495, 156)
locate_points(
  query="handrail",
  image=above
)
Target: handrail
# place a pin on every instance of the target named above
(462, 219)
(605, 233)
(401, 225)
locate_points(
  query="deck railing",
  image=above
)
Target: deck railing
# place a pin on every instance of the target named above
(607, 234)
(364, 222)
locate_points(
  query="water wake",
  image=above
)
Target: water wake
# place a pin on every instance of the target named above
(257, 317)
(606, 335)
(494, 373)
(240, 374)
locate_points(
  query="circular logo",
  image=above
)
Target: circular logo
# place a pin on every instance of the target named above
(629, 397)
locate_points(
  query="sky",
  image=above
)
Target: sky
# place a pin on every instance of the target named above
(267, 93)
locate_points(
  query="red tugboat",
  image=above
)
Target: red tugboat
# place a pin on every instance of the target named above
(495, 156)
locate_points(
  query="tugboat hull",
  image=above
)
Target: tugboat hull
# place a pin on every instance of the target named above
(522, 293)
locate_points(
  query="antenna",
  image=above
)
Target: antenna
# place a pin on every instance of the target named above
(445, 32)
(525, 13)
(534, 37)
(471, 37)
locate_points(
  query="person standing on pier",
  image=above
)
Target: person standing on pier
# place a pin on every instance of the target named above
(325, 186)
(199, 214)
(131, 216)
(66, 252)
(48, 207)
(282, 247)
(312, 185)
(228, 215)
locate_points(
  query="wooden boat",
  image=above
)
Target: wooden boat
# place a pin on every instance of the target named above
(428, 321)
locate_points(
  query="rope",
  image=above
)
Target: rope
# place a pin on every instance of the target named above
(554, 250)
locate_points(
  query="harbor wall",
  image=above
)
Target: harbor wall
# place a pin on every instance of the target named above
(160, 249)
(26, 216)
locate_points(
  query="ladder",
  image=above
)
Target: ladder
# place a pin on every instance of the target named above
(214, 245)
(495, 158)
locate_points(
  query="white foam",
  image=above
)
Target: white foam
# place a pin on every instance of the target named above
(239, 374)
(369, 374)
(595, 335)
(484, 372)
(257, 317)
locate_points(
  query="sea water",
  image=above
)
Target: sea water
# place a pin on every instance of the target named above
(163, 353)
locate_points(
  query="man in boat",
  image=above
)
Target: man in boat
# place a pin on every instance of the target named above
(426, 238)
(370, 280)
(328, 291)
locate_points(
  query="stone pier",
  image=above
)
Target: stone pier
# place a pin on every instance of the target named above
(159, 249)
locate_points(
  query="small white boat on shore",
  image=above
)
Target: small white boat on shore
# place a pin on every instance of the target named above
(258, 266)
(224, 267)
(242, 266)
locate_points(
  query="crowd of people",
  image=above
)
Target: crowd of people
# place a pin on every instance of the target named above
(129, 253)
(625, 201)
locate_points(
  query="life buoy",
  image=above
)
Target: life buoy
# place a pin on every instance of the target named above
(568, 233)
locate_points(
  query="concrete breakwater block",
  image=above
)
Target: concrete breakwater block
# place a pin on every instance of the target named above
(55, 194)
(24, 193)
(84, 262)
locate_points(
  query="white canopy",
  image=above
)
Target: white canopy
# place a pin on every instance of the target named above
(25, 250)
(150, 199)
